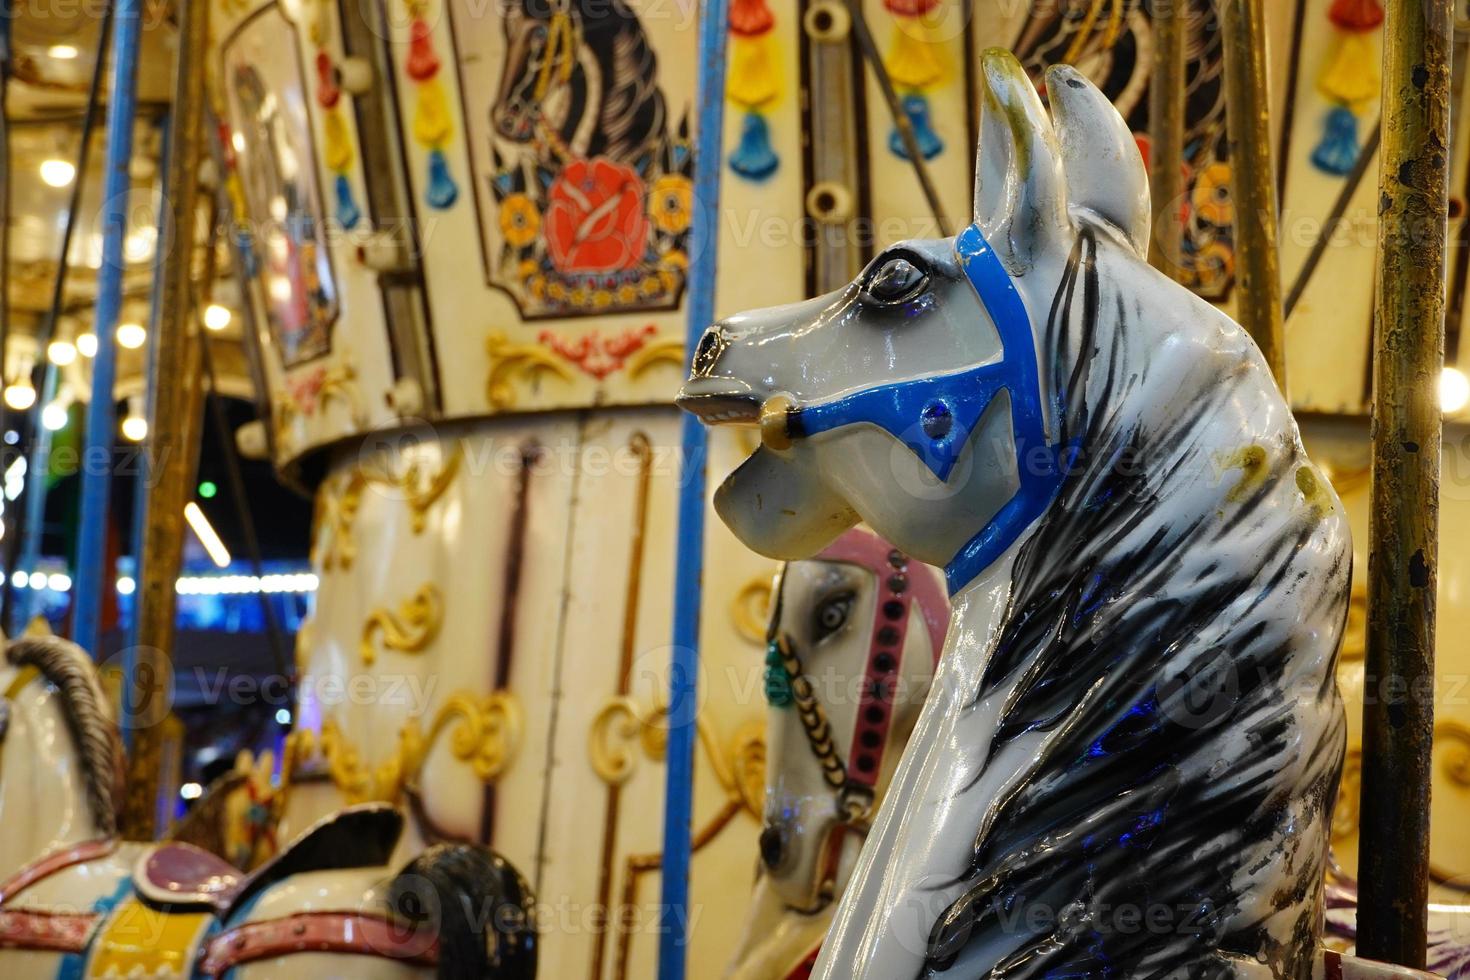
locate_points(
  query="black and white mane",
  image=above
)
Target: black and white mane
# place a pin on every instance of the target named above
(613, 106)
(1159, 689)
(67, 668)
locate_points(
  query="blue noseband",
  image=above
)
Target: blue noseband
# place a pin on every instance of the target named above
(935, 416)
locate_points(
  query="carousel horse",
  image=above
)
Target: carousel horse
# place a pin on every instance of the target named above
(1449, 927)
(854, 637)
(581, 76)
(1128, 760)
(75, 901)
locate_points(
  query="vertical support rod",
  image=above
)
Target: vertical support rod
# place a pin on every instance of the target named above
(92, 575)
(1248, 111)
(1403, 530)
(174, 416)
(1166, 137)
(709, 161)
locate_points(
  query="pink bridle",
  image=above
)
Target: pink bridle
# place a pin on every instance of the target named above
(899, 590)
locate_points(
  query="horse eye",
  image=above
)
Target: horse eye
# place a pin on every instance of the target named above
(831, 615)
(897, 280)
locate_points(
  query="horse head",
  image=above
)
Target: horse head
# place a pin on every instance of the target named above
(854, 637)
(1149, 575)
(912, 399)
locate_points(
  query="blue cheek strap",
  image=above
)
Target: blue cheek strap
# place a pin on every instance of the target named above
(934, 417)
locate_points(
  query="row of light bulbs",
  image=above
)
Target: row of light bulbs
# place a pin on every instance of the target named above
(292, 583)
(21, 395)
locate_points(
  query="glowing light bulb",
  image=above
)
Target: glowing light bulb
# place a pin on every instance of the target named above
(58, 173)
(87, 344)
(62, 52)
(217, 317)
(1454, 390)
(135, 428)
(20, 396)
(61, 352)
(131, 335)
(55, 416)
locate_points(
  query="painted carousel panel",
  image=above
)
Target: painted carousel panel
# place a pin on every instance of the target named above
(288, 144)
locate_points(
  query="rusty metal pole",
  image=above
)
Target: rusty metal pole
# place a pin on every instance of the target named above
(1403, 533)
(1253, 185)
(174, 404)
(1166, 136)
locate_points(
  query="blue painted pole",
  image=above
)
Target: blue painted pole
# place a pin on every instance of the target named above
(92, 574)
(689, 562)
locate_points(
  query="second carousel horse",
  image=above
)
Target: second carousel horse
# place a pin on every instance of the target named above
(854, 637)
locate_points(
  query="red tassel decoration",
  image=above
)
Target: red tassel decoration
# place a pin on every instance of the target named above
(1357, 15)
(422, 63)
(327, 92)
(910, 8)
(750, 18)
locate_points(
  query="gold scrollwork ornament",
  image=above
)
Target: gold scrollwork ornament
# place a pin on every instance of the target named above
(411, 629)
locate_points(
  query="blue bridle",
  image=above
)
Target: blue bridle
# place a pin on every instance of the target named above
(935, 416)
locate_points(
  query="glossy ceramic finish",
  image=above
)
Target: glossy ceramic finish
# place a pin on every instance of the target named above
(1213, 533)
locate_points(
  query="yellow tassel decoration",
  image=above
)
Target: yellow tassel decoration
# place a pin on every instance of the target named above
(753, 79)
(338, 149)
(913, 59)
(1352, 74)
(432, 123)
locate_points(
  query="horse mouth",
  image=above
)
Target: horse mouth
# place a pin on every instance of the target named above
(721, 409)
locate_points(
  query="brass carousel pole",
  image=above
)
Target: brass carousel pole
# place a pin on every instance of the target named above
(174, 405)
(1166, 137)
(1403, 533)
(1248, 109)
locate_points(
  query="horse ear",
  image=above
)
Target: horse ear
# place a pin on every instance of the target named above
(1018, 180)
(1104, 169)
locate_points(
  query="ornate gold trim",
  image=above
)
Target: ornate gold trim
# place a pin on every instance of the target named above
(485, 732)
(339, 384)
(511, 362)
(750, 610)
(420, 485)
(669, 350)
(622, 725)
(415, 625)
(337, 503)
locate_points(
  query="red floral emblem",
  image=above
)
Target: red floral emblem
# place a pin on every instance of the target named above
(596, 221)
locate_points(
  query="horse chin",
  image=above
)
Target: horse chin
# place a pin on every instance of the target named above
(781, 508)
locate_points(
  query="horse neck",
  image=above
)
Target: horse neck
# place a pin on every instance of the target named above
(622, 91)
(43, 792)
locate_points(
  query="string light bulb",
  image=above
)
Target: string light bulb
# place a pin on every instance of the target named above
(217, 317)
(58, 173)
(131, 335)
(21, 395)
(1454, 391)
(61, 352)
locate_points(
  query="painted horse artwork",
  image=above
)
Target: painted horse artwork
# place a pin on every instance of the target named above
(589, 181)
(854, 638)
(1127, 762)
(75, 901)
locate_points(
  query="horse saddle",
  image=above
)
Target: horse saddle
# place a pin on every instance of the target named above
(181, 875)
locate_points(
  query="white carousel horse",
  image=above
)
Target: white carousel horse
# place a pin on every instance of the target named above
(75, 901)
(854, 637)
(1128, 760)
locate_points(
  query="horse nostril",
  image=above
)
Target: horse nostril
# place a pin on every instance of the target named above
(711, 346)
(773, 847)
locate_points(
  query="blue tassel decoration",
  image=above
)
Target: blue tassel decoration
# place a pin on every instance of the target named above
(443, 191)
(930, 145)
(1337, 154)
(754, 158)
(347, 210)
